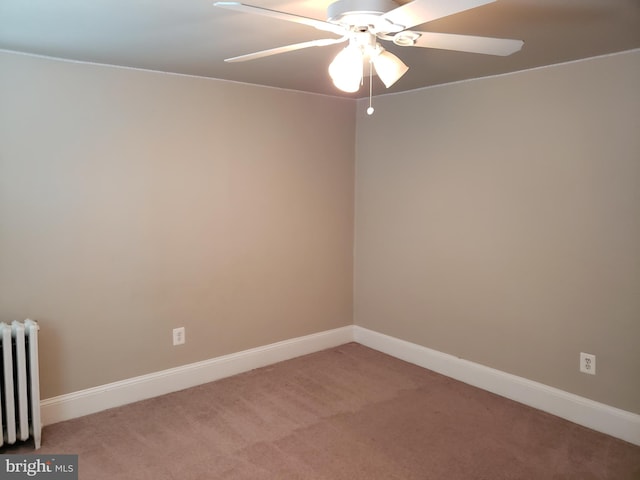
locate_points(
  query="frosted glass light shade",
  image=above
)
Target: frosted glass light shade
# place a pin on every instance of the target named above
(346, 69)
(389, 67)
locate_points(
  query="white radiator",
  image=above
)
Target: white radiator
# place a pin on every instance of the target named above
(20, 382)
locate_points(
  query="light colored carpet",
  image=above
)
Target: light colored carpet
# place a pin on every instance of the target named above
(345, 413)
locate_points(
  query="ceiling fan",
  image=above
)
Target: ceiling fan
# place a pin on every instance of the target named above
(363, 22)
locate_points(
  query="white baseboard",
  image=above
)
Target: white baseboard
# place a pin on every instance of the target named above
(603, 418)
(597, 416)
(96, 399)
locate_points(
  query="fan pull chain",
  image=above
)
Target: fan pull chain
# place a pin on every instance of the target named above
(370, 109)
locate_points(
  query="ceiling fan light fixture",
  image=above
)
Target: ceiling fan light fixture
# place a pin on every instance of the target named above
(346, 69)
(389, 67)
(364, 22)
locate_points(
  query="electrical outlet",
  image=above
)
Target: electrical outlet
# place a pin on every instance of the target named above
(587, 363)
(178, 336)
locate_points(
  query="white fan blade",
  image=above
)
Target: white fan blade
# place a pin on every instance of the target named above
(287, 48)
(423, 11)
(289, 17)
(468, 43)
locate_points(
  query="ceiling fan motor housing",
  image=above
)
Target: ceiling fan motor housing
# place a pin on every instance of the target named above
(363, 15)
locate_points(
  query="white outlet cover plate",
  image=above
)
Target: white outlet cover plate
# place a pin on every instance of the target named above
(587, 363)
(178, 336)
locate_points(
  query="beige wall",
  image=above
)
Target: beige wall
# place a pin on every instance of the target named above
(498, 220)
(133, 202)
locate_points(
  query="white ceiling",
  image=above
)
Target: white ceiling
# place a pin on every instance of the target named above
(193, 37)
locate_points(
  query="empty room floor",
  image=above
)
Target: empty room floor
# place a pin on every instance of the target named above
(349, 412)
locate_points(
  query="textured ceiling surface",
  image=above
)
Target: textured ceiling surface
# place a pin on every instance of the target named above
(193, 37)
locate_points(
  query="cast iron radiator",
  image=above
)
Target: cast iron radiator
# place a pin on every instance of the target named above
(20, 383)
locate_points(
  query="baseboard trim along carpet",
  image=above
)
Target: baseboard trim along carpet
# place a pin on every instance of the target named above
(597, 416)
(96, 399)
(588, 413)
